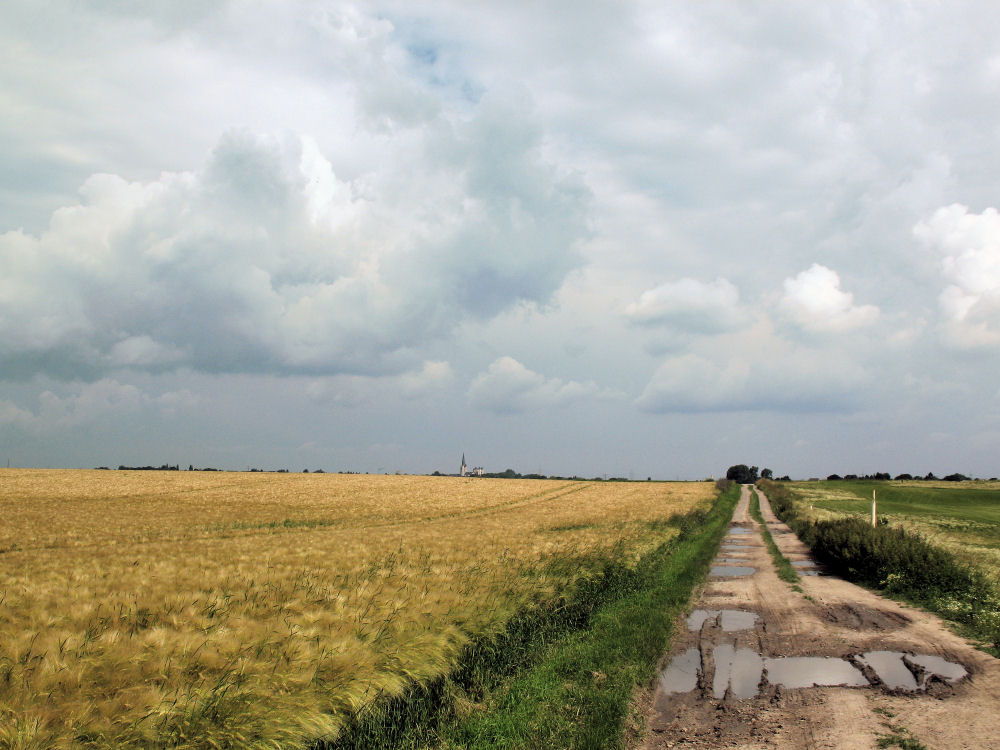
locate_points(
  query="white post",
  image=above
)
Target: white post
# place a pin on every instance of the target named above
(873, 507)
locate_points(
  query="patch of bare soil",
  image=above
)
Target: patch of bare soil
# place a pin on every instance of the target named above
(730, 685)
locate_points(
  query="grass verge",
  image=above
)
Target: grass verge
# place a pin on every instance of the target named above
(900, 564)
(562, 676)
(786, 572)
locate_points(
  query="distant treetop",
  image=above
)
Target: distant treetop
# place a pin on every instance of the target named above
(742, 473)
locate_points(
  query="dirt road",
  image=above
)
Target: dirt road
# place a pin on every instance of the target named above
(889, 670)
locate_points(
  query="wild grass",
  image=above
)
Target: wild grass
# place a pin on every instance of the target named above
(176, 609)
(785, 570)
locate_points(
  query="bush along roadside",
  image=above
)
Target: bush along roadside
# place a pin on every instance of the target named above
(560, 675)
(902, 564)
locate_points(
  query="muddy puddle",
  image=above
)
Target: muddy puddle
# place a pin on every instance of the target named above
(910, 672)
(739, 530)
(805, 567)
(948, 671)
(813, 671)
(731, 571)
(740, 672)
(889, 666)
(730, 620)
(737, 670)
(682, 674)
(737, 546)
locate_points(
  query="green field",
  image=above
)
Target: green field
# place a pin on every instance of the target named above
(963, 517)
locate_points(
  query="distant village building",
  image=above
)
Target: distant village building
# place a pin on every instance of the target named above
(465, 471)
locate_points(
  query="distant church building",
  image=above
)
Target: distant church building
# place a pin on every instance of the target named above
(465, 471)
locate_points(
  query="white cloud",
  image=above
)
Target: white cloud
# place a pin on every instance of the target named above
(689, 305)
(969, 244)
(814, 301)
(508, 387)
(265, 261)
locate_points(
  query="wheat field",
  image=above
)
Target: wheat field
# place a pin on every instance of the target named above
(219, 609)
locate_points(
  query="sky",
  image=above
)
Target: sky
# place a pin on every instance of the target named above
(633, 239)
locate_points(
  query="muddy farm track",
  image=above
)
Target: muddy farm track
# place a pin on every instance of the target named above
(743, 669)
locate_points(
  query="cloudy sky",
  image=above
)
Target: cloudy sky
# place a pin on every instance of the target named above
(634, 239)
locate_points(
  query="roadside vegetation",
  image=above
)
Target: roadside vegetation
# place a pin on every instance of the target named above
(785, 570)
(935, 570)
(217, 609)
(573, 690)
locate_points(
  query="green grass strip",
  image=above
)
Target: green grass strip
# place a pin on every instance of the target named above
(784, 568)
(578, 692)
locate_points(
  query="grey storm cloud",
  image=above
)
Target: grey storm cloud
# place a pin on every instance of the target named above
(265, 261)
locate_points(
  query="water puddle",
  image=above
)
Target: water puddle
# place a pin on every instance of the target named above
(682, 674)
(805, 567)
(729, 619)
(892, 668)
(739, 670)
(729, 560)
(735, 546)
(739, 530)
(889, 667)
(812, 671)
(731, 571)
(946, 670)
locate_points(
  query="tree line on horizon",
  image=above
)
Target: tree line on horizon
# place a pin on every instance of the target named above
(750, 474)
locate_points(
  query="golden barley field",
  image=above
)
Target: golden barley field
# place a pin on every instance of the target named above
(215, 609)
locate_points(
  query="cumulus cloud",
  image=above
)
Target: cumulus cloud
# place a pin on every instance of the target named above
(508, 387)
(969, 244)
(688, 305)
(265, 261)
(814, 301)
